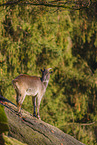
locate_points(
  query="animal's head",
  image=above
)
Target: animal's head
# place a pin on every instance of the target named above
(46, 74)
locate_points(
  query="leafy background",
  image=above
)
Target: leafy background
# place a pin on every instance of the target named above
(32, 38)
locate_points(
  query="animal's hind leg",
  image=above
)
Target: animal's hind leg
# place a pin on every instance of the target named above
(20, 98)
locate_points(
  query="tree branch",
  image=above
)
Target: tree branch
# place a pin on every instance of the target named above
(60, 4)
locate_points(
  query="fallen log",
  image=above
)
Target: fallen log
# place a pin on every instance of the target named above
(31, 130)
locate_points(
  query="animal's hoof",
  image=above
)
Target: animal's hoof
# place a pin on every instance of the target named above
(34, 115)
(39, 117)
(19, 113)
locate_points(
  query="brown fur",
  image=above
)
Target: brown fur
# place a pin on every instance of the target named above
(31, 85)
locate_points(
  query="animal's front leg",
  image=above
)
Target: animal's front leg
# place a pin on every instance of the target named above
(38, 112)
(38, 106)
(20, 98)
(34, 104)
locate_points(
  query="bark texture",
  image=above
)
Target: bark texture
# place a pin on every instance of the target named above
(31, 130)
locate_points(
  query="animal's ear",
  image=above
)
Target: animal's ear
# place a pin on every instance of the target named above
(42, 70)
(49, 69)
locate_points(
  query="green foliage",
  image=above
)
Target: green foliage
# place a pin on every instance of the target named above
(3, 120)
(12, 141)
(35, 37)
(83, 133)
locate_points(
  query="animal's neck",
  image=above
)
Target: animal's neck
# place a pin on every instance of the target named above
(46, 84)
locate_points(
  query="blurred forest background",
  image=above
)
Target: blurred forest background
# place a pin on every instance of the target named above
(65, 39)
